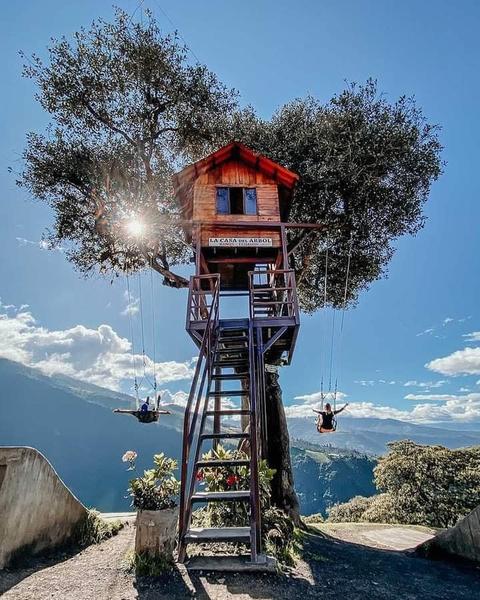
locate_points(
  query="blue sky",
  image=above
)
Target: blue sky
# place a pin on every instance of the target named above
(273, 51)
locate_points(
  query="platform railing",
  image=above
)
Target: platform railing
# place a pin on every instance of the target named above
(273, 294)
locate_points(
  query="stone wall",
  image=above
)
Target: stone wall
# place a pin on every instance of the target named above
(37, 510)
(462, 541)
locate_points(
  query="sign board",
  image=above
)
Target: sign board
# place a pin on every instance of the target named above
(240, 242)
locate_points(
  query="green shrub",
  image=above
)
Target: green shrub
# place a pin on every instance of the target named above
(94, 529)
(312, 519)
(351, 511)
(278, 535)
(157, 488)
(426, 485)
(420, 485)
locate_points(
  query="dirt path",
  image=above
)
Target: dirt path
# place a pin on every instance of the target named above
(387, 537)
(331, 568)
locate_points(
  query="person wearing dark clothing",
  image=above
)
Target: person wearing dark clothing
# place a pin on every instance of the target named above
(146, 405)
(326, 422)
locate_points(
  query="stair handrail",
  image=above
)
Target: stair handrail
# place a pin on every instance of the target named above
(203, 372)
(255, 516)
(290, 303)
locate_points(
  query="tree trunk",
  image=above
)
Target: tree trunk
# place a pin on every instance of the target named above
(278, 450)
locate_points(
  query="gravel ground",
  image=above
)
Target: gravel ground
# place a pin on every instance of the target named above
(331, 568)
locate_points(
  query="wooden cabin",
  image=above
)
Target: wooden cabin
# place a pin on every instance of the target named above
(234, 204)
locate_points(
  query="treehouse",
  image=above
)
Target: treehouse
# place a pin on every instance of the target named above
(234, 203)
(234, 206)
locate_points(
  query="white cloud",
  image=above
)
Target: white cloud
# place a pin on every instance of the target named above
(132, 304)
(429, 397)
(428, 331)
(461, 362)
(372, 382)
(451, 409)
(42, 244)
(446, 321)
(178, 398)
(473, 336)
(99, 356)
(425, 384)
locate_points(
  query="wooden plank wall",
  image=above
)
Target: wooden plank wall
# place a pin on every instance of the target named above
(230, 174)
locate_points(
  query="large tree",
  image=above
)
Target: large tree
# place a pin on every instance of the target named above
(128, 109)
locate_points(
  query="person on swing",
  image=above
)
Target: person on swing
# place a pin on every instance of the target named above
(146, 405)
(326, 419)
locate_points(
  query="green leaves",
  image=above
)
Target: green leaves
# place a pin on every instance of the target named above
(127, 109)
(157, 489)
(421, 485)
(366, 166)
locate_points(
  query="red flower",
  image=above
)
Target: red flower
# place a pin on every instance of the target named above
(232, 480)
(200, 476)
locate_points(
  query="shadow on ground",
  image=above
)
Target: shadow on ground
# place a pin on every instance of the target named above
(330, 569)
(13, 575)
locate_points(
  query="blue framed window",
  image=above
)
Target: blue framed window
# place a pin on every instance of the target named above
(236, 201)
(250, 201)
(223, 201)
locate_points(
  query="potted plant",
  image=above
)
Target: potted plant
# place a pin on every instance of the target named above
(154, 495)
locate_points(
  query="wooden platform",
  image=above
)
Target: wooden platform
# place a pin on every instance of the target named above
(232, 564)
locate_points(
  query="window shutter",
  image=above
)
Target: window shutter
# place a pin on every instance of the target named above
(250, 199)
(223, 201)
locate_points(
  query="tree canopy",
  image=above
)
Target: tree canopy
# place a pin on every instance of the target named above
(128, 109)
(419, 485)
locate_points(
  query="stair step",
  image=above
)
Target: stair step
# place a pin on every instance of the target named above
(231, 363)
(269, 289)
(227, 412)
(235, 495)
(233, 338)
(225, 436)
(200, 534)
(230, 462)
(231, 350)
(230, 393)
(230, 376)
(232, 564)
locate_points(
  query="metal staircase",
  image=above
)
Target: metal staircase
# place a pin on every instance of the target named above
(230, 369)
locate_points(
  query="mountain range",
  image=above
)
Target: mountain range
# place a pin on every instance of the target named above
(72, 424)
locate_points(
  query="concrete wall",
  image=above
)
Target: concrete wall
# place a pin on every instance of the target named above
(37, 510)
(463, 540)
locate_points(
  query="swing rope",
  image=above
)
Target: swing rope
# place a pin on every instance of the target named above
(154, 328)
(129, 299)
(324, 327)
(142, 330)
(342, 320)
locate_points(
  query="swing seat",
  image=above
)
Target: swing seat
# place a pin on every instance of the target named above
(322, 429)
(143, 416)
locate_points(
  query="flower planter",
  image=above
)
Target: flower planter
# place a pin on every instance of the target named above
(156, 532)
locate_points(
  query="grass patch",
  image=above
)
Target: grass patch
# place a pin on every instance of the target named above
(316, 518)
(94, 530)
(146, 565)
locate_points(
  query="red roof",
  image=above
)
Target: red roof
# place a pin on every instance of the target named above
(183, 180)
